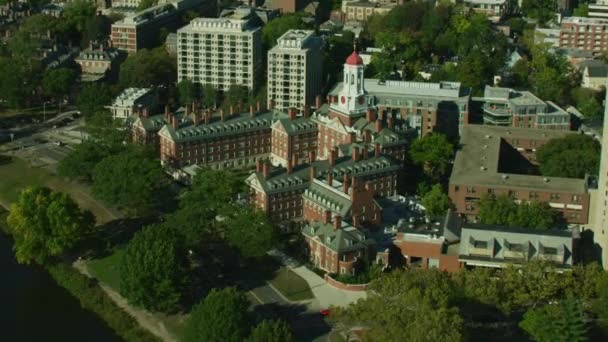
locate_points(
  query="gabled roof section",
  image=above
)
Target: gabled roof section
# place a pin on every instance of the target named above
(341, 240)
(329, 198)
(298, 126)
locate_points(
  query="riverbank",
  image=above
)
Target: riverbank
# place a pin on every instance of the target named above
(93, 298)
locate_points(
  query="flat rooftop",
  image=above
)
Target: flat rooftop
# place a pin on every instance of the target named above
(476, 161)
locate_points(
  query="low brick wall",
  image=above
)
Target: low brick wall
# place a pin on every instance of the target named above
(348, 287)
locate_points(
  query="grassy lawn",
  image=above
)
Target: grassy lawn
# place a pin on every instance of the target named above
(106, 269)
(291, 285)
(18, 174)
(10, 112)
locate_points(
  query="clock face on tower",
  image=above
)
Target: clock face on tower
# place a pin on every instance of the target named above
(361, 99)
(343, 99)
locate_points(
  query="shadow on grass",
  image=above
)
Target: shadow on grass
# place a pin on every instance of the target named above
(307, 326)
(106, 237)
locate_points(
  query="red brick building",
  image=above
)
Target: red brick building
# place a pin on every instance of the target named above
(588, 34)
(498, 160)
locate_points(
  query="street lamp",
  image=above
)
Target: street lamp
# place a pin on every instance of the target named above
(44, 111)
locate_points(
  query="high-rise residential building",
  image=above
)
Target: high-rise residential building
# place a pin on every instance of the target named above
(294, 70)
(599, 9)
(221, 51)
(589, 34)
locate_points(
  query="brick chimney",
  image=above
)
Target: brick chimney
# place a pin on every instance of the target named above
(266, 169)
(311, 156)
(355, 154)
(222, 117)
(390, 122)
(345, 184)
(369, 115)
(365, 153)
(271, 104)
(330, 177)
(378, 125)
(352, 137)
(367, 136)
(337, 222)
(194, 107)
(332, 157)
(187, 109)
(318, 102)
(291, 113)
(166, 111)
(258, 166)
(294, 159)
(207, 116)
(259, 106)
(231, 110)
(355, 221)
(326, 216)
(306, 111)
(251, 111)
(145, 112)
(195, 119)
(174, 122)
(312, 172)
(239, 107)
(328, 99)
(353, 185)
(376, 150)
(289, 166)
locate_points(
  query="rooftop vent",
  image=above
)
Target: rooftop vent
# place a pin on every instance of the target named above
(483, 168)
(488, 136)
(546, 180)
(505, 177)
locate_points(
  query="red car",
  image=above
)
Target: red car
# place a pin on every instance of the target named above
(324, 312)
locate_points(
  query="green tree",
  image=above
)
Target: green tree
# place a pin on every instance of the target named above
(209, 96)
(542, 10)
(145, 4)
(132, 180)
(57, 83)
(46, 224)
(234, 95)
(19, 81)
(588, 102)
(436, 202)
(212, 189)
(220, 317)
(582, 10)
(424, 296)
(503, 210)
(250, 231)
(271, 331)
(81, 161)
(148, 68)
(188, 92)
(97, 28)
(93, 98)
(277, 27)
(434, 152)
(561, 322)
(153, 269)
(77, 13)
(572, 156)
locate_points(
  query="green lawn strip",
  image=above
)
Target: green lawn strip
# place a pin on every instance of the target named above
(107, 269)
(175, 324)
(291, 285)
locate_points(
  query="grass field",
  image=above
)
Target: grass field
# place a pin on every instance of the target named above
(19, 174)
(291, 285)
(107, 269)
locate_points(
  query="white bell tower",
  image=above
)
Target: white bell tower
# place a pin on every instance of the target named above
(352, 98)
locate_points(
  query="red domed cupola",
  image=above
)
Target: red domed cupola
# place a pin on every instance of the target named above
(354, 59)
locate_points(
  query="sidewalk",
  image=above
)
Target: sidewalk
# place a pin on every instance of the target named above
(325, 294)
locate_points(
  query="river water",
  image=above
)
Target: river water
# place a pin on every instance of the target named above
(34, 308)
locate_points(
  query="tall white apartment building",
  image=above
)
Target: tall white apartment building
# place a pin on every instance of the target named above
(294, 70)
(221, 51)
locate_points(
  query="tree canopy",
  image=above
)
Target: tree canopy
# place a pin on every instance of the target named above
(434, 152)
(250, 231)
(271, 331)
(277, 27)
(132, 179)
(46, 224)
(153, 269)
(588, 102)
(57, 83)
(148, 68)
(542, 10)
(572, 156)
(503, 210)
(188, 92)
(423, 296)
(436, 202)
(564, 321)
(221, 317)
